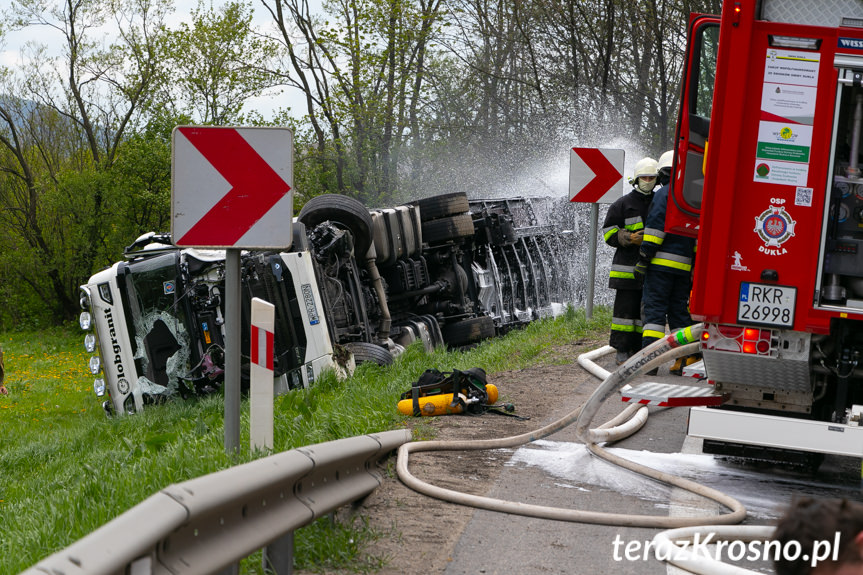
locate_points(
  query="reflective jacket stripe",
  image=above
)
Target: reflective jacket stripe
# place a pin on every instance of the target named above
(608, 232)
(625, 272)
(672, 261)
(654, 236)
(633, 224)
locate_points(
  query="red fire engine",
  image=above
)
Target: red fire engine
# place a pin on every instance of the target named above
(767, 174)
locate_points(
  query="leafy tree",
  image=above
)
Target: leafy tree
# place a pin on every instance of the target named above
(363, 74)
(61, 131)
(215, 65)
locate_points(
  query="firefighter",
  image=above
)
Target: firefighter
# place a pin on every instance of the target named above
(623, 230)
(665, 262)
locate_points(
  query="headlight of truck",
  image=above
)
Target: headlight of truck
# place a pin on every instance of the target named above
(84, 320)
(90, 342)
(84, 298)
(95, 364)
(99, 386)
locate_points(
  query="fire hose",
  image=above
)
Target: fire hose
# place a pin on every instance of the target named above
(631, 419)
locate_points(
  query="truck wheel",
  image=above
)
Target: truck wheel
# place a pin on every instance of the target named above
(442, 206)
(347, 211)
(449, 228)
(364, 351)
(468, 331)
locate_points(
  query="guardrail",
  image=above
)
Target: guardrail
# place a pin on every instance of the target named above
(207, 524)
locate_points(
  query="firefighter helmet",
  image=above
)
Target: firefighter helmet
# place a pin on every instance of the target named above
(645, 167)
(664, 167)
(665, 161)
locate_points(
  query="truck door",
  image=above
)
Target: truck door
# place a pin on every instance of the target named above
(693, 126)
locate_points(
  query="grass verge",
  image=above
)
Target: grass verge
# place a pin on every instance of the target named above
(66, 469)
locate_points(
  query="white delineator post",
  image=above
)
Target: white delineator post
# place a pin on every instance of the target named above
(261, 382)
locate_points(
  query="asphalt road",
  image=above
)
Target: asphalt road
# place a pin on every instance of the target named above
(559, 472)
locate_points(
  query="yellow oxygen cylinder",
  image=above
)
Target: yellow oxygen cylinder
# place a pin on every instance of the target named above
(440, 404)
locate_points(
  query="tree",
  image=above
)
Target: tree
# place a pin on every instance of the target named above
(61, 132)
(215, 65)
(363, 75)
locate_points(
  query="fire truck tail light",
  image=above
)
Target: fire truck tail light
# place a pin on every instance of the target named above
(730, 331)
(738, 339)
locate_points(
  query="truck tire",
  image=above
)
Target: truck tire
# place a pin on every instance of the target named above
(468, 331)
(449, 228)
(364, 351)
(347, 211)
(442, 206)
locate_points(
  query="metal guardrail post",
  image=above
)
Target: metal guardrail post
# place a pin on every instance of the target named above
(279, 555)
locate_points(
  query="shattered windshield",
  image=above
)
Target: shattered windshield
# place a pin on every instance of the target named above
(159, 326)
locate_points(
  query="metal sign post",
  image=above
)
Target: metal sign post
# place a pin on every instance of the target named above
(232, 351)
(591, 265)
(594, 177)
(232, 188)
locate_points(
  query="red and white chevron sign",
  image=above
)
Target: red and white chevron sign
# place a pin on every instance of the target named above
(232, 187)
(595, 175)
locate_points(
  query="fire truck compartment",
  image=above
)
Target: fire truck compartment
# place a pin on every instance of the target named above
(772, 431)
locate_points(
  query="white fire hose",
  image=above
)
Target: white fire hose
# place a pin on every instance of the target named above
(626, 423)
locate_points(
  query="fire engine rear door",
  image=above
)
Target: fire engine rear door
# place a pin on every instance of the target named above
(693, 125)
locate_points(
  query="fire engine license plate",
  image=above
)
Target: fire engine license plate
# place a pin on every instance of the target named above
(766, 304)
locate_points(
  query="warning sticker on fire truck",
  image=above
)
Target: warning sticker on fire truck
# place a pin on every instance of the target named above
(796, 68)
(787, 113)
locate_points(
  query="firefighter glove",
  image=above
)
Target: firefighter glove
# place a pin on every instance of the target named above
(637, 237)
(624, 238)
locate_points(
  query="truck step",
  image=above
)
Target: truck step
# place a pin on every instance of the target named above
(695, 370)
(670, 395)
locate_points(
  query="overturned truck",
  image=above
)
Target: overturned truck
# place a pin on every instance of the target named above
(356, 285)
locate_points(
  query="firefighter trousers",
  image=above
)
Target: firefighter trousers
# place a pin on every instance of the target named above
(665, 299)
(626, 321)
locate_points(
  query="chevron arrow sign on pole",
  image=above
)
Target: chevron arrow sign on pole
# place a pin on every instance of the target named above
(232, 187)
(595, 175)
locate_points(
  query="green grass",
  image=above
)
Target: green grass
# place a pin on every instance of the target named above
(66, 469)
